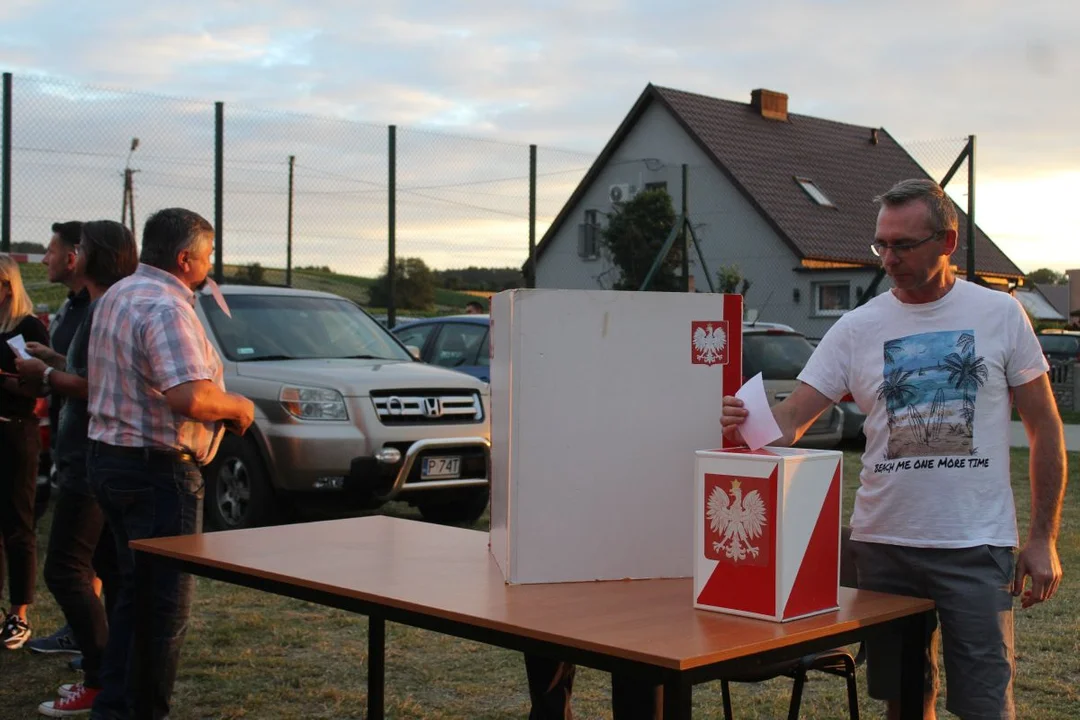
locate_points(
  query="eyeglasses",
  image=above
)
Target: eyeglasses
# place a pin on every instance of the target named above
(879, 248)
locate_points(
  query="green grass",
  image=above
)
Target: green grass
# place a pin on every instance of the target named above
(1067, 416)
(356, 289)
(40, 289)
(447, 302)
(253, 655)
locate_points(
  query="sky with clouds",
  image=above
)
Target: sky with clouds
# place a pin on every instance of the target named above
(559, 74)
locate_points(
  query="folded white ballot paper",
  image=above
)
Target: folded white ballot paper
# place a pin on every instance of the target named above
(760, 427)
(18, 346)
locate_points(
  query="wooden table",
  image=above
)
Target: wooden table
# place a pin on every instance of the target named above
(443, 579)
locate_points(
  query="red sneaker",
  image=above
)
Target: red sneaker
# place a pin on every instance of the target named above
(79, 701)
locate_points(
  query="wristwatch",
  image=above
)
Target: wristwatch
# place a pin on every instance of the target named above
(48, 371)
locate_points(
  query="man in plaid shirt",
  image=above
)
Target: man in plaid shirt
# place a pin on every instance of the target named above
(157, 408)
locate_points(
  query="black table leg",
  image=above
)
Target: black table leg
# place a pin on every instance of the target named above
(678, 694)
(376, 667)
(913, 667)
(144, 660)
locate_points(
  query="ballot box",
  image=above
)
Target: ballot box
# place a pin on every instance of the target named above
(767, 532)
(598, 401)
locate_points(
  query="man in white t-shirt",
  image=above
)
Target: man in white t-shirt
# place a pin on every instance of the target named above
(936, 365)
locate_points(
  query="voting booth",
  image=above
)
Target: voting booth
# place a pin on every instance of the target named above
(767, 532)
(599, 400)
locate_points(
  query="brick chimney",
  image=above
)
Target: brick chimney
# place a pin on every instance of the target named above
(769, 103)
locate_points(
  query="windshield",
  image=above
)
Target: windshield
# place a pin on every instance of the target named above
(290, 327)
(777, 356)
(1065, 344)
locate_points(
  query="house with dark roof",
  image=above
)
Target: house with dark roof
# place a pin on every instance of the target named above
(1057, 296)
(788, 198)
(1038, 306)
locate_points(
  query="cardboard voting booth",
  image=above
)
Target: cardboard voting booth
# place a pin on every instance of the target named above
(767, 532)
(599, 400)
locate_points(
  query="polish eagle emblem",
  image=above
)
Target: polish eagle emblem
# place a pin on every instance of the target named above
(709, 343)
(738, 522)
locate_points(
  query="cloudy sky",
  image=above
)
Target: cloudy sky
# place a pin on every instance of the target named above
(561, 75)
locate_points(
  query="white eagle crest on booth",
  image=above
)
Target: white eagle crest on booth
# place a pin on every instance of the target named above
(709, 344)
(738, 523)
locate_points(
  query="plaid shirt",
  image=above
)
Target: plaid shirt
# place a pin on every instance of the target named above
(146, 339)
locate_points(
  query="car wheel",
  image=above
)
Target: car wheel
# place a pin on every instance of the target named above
(237, 492)
(461, 508)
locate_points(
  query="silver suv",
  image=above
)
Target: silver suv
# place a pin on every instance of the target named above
(345, 416)
(779, 353)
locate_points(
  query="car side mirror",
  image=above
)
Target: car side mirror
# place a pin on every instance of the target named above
(413, 350)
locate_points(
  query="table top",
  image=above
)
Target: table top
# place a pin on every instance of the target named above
(448, 573)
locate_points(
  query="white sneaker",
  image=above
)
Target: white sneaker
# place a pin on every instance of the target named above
(15, 632)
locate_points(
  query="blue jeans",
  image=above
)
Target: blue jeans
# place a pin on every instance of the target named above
(145, 498)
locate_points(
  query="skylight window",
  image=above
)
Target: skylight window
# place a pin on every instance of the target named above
(814, 192)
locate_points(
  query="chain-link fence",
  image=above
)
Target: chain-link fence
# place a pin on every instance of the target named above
(459, 201)
(70, 146)
(938, 157)
(304, 194)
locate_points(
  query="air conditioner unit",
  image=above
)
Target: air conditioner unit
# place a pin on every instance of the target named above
(621, 193)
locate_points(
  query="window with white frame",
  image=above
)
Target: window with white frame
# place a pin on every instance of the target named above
(589, 236)
(832, 298)
(815, 193)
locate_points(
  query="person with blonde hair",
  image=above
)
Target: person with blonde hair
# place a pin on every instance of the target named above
(19, 447)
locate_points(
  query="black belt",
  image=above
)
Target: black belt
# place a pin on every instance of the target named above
(142, 453)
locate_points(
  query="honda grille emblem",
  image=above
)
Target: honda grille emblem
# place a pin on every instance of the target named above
(432, 407)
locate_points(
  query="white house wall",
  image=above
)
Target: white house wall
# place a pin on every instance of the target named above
(729, 228)
(803, 315)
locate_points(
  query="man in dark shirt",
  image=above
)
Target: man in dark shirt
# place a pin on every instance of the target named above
(60, 264)
(59, 261)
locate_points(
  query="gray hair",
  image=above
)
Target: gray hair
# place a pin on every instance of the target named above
(169, 232)
(942, 211)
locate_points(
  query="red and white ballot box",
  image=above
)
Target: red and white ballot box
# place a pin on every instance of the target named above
(598, 401)
(767, 532)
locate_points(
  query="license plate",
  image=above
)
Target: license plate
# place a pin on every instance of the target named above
(440, 467)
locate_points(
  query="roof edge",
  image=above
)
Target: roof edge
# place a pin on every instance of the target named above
(628, 123)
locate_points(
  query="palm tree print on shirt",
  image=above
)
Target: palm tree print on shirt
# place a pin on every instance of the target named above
(930, 383)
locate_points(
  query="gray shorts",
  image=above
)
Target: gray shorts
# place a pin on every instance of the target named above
(972, 590)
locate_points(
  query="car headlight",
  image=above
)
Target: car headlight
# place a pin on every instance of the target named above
(313, 403)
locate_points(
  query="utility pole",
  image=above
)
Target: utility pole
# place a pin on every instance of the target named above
(288, 229)
(5, 169)
(684, 220)
(530, 280)
(391, 262)
(970, 260)
(127, 213)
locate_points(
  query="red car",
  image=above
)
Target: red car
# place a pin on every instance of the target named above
(41, 409)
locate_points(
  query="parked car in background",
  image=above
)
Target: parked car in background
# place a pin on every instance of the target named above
(46, 476)
(1062, 351)
(345, 417)
(45, 469)
(1060, 346)
(457, 342)
(778, 352)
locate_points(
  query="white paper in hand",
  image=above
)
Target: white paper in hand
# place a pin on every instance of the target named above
(760, 427)
(218, 297)
(18, 346)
